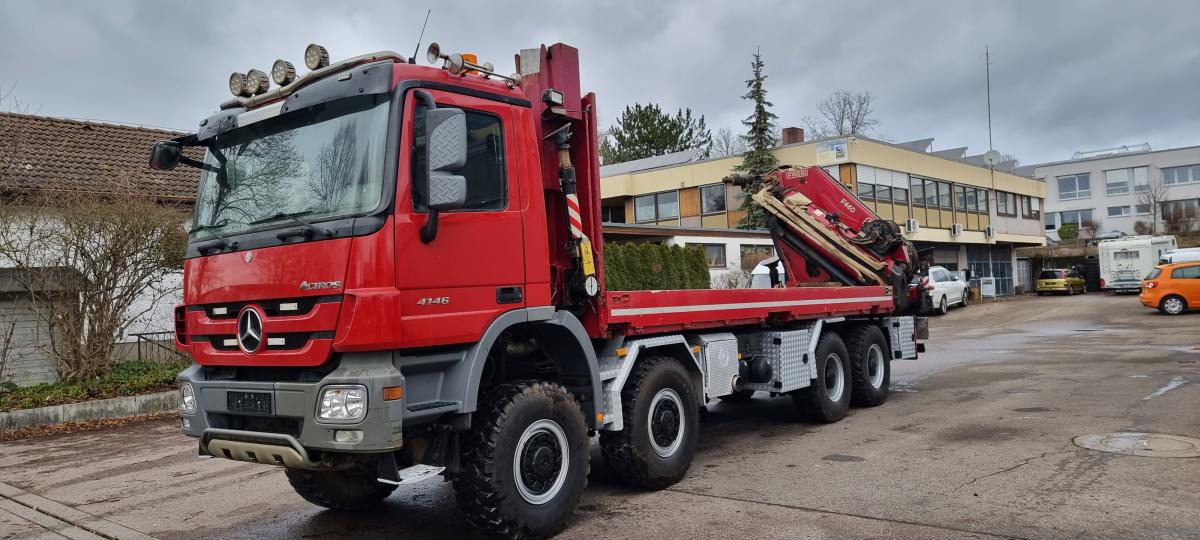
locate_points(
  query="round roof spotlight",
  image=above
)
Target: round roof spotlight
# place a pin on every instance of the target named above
(455, 64)
(487, 66)
(315, 56)
(283, 72)
(433, 53)
(237, 85)
(256, 82)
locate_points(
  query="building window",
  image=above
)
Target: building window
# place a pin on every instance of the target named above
(1181, 175)
(944, 195)
(900, 195)
(754, 254)
(712, 199)
(656, 207)
(1186, 209)
(972, 199)
(917, 188)
(931, 194)
(1141, 179)
(1116, 181)
(866, 191)
(715, 254)
(1051, 224)
(981, 202)
(612, 214)
(1077, 217)
(1142, 209)
(1118, 211)
(1075, 186)
(960, 197)
(1030, 207)
(1006, 204)
(883, 193)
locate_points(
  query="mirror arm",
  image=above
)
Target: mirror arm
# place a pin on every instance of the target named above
(430, 229)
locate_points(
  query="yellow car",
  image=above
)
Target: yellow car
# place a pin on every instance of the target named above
(1060, 281)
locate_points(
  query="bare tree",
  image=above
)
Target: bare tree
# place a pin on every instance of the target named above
(1179, 219)
(726, 143)
(843, 113)
(1090, 228)
(84, 260)
(336, 168)
(1152, 197)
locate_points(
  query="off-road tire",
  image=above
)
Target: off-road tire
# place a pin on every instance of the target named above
(351, 489)
(1162, 305)
(814, 402)
(629, 452)
(859, 342)
(738, 396)
(486, 486)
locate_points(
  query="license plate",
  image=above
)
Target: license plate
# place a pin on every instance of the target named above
(248, 402)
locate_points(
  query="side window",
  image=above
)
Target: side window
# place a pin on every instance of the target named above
(485, 170)
(1187, 272)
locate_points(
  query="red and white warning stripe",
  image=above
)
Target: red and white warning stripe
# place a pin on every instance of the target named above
(573, 216)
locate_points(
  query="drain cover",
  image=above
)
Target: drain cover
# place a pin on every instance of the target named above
(1141, 444)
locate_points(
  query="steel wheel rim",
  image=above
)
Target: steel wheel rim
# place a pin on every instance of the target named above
(943, 306)
(541, 451)
(1173, 305)
(875, 366)
(664, 422)
(835, 383)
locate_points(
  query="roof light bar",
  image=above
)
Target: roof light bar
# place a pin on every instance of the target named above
(283, 72)
(256, 82)
(237, 85)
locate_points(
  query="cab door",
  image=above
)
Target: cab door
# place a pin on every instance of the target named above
(452, 287)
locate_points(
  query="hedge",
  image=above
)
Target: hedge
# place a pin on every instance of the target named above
(648, 266)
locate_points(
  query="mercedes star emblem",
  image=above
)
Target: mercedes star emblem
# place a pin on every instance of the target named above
(250, 331)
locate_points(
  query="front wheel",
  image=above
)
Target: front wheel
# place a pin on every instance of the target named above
(525, 461)
(965, 297)
(943, 306)
(353, 489)
(661, 419)
(828, 399)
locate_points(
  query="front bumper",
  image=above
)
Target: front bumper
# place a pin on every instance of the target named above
(292, 421)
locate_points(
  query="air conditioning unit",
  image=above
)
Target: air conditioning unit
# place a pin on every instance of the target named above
(955, 229)
(912, 225)
(989, 232)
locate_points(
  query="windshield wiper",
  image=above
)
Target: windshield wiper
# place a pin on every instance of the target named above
(308, 231)
(211, 228)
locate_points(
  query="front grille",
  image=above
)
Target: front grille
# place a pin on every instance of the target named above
(273, 308)
(282, 425)
(292, 341)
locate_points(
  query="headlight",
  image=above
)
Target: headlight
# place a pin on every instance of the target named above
(344, 403)
(187, 399)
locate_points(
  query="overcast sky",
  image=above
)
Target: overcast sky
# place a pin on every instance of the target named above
(1066, 76)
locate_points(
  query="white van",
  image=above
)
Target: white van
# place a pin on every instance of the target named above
(1180, 255)
(760, 277)
(1124, 262)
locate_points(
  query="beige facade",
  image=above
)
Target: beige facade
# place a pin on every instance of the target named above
(944, 204)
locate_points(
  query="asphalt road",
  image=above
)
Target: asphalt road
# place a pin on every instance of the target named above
(975, 442)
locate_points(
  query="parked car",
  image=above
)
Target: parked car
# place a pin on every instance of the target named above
(1180, 255)
(1059, 281)
(946, 290)
(760, 277)
(1172, 288)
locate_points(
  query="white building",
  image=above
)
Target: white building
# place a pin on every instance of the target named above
(1108, 188)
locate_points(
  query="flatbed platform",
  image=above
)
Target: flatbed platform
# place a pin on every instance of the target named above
(649, 312)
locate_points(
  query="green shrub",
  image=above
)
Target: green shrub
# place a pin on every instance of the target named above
(650, 266)
(125, 379)
(1070, 231)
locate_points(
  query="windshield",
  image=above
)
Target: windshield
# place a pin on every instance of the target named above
(316, 164)
(1051, 274)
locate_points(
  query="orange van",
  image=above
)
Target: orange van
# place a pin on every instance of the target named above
(1172, 288)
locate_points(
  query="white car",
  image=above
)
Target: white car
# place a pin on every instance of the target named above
(947, 290)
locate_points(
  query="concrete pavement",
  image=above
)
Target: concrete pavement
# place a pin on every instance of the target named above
(976, 442)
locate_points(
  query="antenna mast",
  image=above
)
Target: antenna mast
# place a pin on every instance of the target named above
(987, 66)
(422, 36)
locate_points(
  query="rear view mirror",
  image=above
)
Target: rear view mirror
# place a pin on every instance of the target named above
(165, 155)
(446, 144)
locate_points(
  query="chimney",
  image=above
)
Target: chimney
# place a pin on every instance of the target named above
(793, 135)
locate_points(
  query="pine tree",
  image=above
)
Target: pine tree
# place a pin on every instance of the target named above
(645, 130)
(760, 139)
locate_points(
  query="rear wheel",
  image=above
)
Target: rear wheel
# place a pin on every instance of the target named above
(828, 399)
(352, 489)
(943, 306)
(965, 294)
(655, 448)
(525, 461)
(871, 368)
(1172, 305)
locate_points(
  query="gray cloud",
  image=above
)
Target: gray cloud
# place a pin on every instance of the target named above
(1065, 75)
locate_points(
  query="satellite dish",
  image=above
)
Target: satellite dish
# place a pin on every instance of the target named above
(991, 157)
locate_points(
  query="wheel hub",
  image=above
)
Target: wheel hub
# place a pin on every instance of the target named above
(539, 463)
(665, 422)
(833, 377)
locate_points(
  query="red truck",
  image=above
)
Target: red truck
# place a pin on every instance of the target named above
(395, 273)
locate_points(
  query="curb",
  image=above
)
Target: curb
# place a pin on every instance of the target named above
(90, 410)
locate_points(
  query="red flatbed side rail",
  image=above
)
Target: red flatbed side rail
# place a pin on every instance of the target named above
(651, 312)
